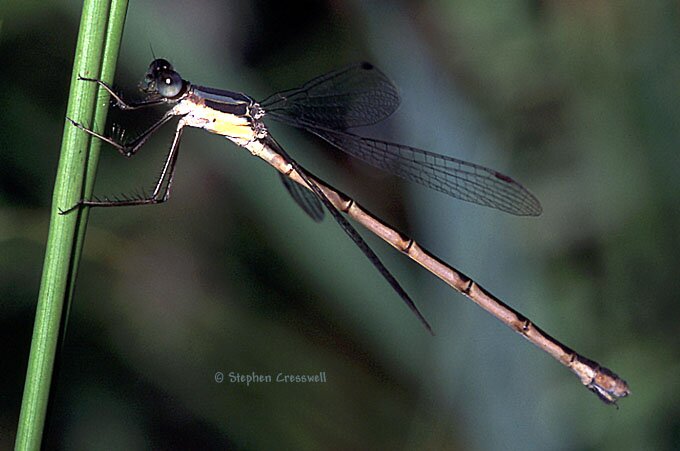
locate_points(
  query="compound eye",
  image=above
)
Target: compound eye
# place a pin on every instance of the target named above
(169, 84)
(159, 65)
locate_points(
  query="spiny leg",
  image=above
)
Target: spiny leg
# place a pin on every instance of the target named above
(120, 103)
(159, 194)
(131, 148)
(169, 167)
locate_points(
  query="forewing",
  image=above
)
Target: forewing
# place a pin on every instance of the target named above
(351, 97)
(457, 178)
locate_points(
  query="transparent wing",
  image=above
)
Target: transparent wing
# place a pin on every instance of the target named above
(304, 198)
(457, 178)
(351, 97)
(352, 233)
(362, 95)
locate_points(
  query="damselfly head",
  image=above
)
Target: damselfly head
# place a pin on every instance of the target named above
(162, 80)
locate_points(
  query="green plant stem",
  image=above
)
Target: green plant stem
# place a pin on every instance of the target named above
(99, 38)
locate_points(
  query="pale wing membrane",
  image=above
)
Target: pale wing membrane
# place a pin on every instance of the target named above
(457, 178)
(351, 97)
(362, 95)
(306, 199)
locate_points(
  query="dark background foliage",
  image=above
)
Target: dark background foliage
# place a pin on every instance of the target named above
(579, 100)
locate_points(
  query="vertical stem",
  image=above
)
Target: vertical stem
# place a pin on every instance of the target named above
(101, 28)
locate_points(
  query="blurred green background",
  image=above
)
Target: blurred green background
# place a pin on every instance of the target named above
(578, 100)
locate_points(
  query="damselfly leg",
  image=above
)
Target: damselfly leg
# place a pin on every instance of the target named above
(162, 187)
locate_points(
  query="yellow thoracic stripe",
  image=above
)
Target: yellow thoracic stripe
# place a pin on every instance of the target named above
(236, 128)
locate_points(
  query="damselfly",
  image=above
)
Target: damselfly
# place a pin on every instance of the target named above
(328, 106)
